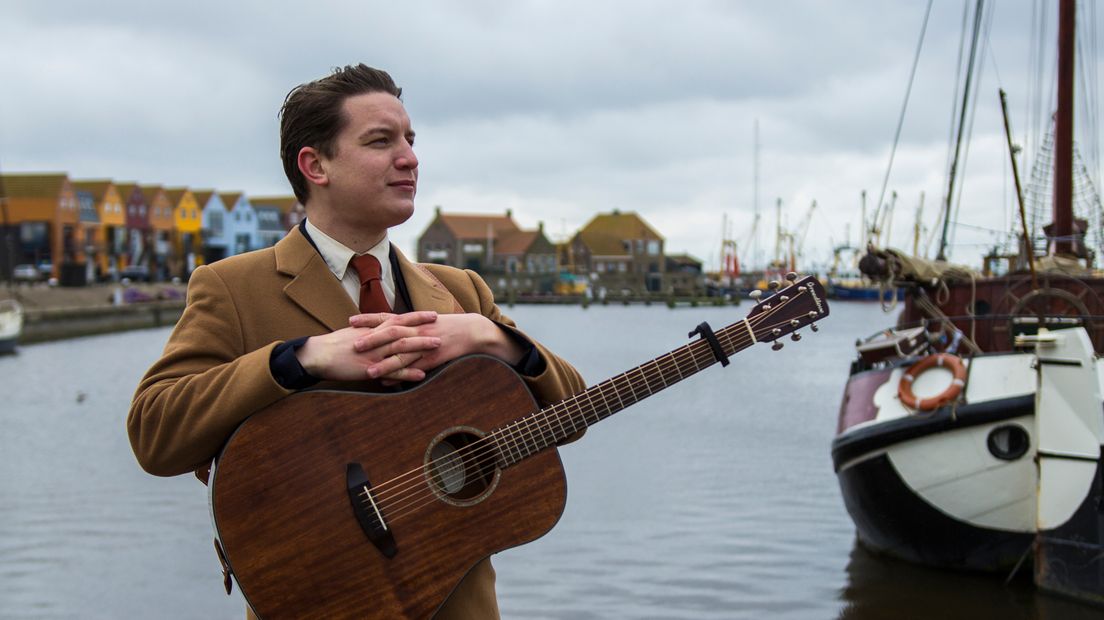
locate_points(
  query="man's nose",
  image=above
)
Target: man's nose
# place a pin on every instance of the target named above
(407, 160)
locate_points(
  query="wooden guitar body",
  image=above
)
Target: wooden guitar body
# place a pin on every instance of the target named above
(288, 525)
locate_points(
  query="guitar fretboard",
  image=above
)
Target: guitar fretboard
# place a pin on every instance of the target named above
(547, 427)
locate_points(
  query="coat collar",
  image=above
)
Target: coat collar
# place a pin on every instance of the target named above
(314, 288)
(426, 292)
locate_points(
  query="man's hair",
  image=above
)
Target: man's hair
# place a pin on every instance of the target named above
(312, 115)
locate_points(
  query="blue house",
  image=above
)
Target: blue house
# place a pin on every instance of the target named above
(242, 231)
(216, 242)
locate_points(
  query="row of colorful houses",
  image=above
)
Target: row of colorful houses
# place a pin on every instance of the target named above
(85, 230)
(82, 230)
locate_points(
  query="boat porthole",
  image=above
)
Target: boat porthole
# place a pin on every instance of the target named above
(1008, 442)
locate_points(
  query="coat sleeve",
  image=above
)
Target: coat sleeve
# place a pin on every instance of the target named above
(203, 386)
(559, 378)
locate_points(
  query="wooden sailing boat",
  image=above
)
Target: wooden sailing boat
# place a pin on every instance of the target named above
(970, 433)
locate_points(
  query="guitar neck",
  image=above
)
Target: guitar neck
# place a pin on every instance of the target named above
(551, 425)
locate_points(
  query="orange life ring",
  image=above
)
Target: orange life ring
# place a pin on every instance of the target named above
(942, 360)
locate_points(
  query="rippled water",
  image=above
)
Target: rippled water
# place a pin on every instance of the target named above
(714, 499)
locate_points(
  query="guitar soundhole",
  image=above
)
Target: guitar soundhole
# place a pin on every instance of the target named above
(461, 467)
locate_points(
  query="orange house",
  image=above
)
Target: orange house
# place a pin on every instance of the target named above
(44, 208)
(109, 236)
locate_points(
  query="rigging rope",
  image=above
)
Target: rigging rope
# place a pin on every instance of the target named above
(904, 107)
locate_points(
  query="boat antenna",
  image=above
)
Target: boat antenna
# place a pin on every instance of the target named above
(904, 107)
(1028, 248)
(942, 254)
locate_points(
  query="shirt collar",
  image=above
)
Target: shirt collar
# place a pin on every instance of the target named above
(337, 255)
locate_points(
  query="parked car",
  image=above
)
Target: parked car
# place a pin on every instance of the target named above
(135, 273)
(26, 273)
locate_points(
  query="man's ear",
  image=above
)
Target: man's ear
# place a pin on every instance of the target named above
(311, 165)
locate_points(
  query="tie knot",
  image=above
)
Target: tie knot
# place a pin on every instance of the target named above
(367, 268)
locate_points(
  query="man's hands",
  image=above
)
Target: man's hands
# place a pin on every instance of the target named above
(335, 356)
(403, 347)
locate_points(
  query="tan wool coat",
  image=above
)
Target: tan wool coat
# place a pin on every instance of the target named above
(214, 372)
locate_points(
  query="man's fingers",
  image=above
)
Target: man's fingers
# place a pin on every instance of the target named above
(395, 342)
(391, 364)
(408, 319)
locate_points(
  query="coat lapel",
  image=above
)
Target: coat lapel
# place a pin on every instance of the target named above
(313, 286)
(426, 292)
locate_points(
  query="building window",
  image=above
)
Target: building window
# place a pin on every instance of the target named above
(653, 247)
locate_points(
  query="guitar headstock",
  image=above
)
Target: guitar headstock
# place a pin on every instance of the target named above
(800, 302)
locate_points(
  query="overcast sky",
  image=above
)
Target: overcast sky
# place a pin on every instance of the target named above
(556, 110)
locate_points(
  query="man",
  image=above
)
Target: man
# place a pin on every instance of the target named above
(261, 325)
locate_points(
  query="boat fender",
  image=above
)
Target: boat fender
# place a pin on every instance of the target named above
(941, 360)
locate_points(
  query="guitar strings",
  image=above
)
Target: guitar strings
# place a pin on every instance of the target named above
(537, 432)
(489, 444)
(414, 502)
(386, 496)
(417, 501)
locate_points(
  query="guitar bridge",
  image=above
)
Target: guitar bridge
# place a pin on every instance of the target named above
(367, 512)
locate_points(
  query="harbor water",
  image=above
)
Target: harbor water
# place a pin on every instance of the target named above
(713, 499)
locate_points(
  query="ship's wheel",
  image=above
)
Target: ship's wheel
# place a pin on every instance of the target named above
(1058, 299)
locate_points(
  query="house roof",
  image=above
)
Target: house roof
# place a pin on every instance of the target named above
(683, 259)
(202, 196)
(515, 242)
(96, 187)
(605, 235)
(175, 194)
(622, 225)
(284, 203)
(125, 189)
(603, 244)
(469, 226)
(230, 199)
(150, 191)
(38, 185)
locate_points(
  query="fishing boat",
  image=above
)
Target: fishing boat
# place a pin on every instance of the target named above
(845, 281)
(11, 325)
(970, 432)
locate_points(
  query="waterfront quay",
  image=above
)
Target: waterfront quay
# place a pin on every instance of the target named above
(58, 312)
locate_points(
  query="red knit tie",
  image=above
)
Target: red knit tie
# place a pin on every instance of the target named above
(372, 298)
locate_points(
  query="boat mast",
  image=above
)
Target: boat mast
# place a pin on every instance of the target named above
(1063, 131)
(978, 10)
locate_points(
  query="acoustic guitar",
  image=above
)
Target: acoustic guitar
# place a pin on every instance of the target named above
(343, 504)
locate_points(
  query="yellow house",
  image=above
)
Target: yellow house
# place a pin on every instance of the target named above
(187, 223)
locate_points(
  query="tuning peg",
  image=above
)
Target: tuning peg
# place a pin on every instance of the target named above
(776, 332)
(795, 323)
(777, 346)
(756, 294)
(774, 285)
(791, 276)
(795, 336)
(784, 297)
(813, 326)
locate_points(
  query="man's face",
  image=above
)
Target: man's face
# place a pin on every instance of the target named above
(373, 173)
